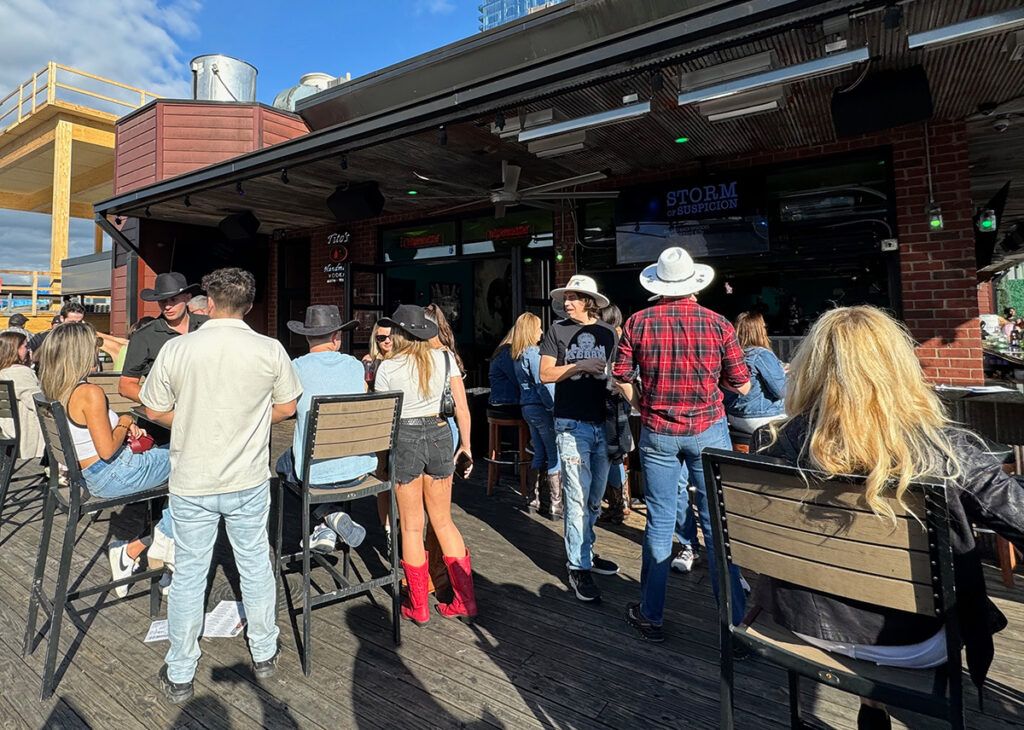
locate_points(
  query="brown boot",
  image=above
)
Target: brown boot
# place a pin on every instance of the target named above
(463, 606)
(555, 491)
(532, 495)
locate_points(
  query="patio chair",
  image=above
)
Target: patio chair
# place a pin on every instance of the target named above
(767, 518)
(339, 426)
(8, 440)
(74, 500)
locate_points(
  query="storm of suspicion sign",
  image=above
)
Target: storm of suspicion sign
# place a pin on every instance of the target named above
(720, 217)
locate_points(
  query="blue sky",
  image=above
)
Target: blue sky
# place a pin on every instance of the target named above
(148, 43)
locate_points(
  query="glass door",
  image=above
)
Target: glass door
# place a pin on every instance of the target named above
(366, 300)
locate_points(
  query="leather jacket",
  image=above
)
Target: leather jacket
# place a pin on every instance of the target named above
(983, 494)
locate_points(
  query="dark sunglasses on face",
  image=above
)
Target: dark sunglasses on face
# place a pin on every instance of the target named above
(383, 338)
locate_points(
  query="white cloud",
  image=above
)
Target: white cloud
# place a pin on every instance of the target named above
(130, 41)
(435, 7)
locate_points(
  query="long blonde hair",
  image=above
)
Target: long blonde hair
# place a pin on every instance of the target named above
(525, 334)
(419, 352)
(66, 358)
(857, 382)
(375, 351)
(751, 330)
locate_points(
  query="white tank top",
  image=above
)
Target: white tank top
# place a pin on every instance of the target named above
(82, 439)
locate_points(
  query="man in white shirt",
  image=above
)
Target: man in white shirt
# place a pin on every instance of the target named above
(219, 389)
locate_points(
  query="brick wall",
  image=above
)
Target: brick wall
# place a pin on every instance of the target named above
(939, 280)
(986, 298)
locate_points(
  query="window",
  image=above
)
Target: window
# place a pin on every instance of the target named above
(429, 241)
(533, 228)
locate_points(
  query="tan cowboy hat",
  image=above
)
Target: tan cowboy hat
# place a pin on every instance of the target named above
(579, 284)
(675, 275)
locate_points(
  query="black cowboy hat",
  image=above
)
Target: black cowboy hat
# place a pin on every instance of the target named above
(321, 319)
(412, 320)
(167, 285)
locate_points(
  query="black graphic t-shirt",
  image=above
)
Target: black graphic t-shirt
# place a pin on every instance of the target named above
(581, 396)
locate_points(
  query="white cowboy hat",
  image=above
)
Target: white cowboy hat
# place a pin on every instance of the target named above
(581, 285)
(675, 275)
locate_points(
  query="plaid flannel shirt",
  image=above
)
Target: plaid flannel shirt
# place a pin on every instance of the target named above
(681, 352)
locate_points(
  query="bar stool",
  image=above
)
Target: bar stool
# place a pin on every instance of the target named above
(496, 420)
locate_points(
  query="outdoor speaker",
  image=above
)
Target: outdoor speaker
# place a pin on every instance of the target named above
(881, 101)
(355, 202)
(239, 226)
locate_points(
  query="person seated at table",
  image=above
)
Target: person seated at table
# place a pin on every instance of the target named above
(763, 402)
(858, 403)
(110, 468)
(16, 366)
(326, 370)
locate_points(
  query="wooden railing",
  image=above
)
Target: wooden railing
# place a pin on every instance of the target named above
(58, 83)
(33, 288)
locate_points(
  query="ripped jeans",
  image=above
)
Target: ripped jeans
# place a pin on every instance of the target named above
(583, 451)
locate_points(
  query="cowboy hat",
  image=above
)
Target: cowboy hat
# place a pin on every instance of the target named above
(321, 319)
(579, 284)
(167, 285)
(675, 275)
(412, 320)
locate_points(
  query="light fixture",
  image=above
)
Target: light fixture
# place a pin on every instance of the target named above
(682, 140)
(412, 192)
(559, 256)
(787, 74)
(985, 220)
(188, 202)
(442, 136)
(746, 111)
(284, 175)
(118, 220)
(148, 214)
(743, 105)
(344, 162)
(238, 188)
(499, 121)
(968, 29)
(934, 217)
(563, 144)
(611, 116)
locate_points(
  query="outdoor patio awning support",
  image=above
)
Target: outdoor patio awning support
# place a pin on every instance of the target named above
(115, 233)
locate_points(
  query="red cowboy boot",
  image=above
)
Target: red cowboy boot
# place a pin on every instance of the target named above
(463, 606)
(415, 607)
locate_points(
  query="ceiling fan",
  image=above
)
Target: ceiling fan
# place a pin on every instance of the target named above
(507, 193)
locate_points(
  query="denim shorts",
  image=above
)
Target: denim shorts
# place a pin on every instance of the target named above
(423, 446)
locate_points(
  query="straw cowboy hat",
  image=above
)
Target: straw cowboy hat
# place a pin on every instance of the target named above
(321, 319)
(579, 284)
(167, 285)
(675, 275)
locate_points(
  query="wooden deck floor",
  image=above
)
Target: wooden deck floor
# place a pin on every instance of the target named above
(534, 658)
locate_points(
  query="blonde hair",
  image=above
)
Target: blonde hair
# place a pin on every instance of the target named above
(525, 334)
(418, 352)
(66, 358)
(375, 351)
(857, 382)
(751, 331)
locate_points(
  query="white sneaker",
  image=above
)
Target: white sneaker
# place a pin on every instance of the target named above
(165, 584)
(746, 586)
(121, 566)
(161, 551)
(323, 540)
(683, 562)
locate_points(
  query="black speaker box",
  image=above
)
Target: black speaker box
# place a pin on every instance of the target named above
(881, 101)
(356, 202)
(239, 226)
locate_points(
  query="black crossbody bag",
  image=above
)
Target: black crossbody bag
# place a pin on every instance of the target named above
(447, 409)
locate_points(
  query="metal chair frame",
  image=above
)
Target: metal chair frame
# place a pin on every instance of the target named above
(368, 487)
(946, 699)
(8, 442)
(76, 502)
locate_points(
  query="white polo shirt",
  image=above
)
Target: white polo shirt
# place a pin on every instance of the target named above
(221, 382)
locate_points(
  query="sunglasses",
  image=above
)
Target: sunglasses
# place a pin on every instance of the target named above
(383, 338)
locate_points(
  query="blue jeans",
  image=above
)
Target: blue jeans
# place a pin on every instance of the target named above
(455, 434)
(686, 524)
(669, 463)
(583, 452)
(195, 528)
(542, 434)
(127, 473)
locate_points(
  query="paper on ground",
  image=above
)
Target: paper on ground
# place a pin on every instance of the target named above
(224, 621)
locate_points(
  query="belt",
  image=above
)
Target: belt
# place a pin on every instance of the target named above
(422, 421)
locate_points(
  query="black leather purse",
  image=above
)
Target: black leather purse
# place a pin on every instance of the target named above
(447, 409)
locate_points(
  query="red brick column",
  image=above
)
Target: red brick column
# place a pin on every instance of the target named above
(272, 291)
(986, 298)
(940, 302)
(565, 243)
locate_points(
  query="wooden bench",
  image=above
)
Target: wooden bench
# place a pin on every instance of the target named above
(821, 535)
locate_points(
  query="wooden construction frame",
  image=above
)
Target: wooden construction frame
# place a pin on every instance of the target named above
(937, 693)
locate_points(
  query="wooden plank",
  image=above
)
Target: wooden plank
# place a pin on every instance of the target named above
(901, 595)
(363, 418)
(840, 524)
(60, 211)
(352, 448)
(892, 563)
(328, 436)
(382, 405)
(828, 493)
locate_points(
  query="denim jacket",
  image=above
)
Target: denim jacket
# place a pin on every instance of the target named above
(531, 390)
(502, 374)
(767, 386)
